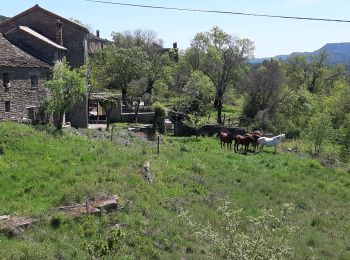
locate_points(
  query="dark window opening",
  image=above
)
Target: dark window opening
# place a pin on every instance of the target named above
(48, 76)
(5, 79)
(34, 80)
(7, 106)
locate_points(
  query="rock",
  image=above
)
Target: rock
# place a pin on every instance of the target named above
(78, 210)
(146, 172)
(5, 217)
(106, 203)
(17, 222)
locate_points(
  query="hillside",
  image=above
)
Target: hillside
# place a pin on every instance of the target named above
(338, 53)
(41, 170)
(3, 18)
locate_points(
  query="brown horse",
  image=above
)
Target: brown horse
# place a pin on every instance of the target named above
(255, 135)
(245, 140)
(226, 138)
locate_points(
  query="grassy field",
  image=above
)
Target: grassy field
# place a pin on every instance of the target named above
(41, 170)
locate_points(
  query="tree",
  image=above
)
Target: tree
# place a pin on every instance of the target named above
(312, 72)
(319, 131)
(121, 66)
(159, 59)
(198, 93)
(108, 102)
(219, 56)
(345, 139)
(66, 88)
(265, 90)
(136, 91)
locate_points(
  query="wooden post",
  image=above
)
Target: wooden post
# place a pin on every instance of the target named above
(158, 150)
(87, 207)
(112, 133)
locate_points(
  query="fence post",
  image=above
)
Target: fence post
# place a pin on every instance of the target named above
(158, 148)
(112, 133)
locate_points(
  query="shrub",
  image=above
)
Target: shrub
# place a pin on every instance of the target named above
(56, 221)
(240, 237)
(319, 131)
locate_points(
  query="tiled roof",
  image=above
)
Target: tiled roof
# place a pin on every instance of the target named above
(12, 56)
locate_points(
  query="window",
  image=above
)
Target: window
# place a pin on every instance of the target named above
(34, 80)
(7, 106)
(5, 79)
(48, 76)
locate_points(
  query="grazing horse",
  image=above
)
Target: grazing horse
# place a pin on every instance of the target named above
(255, 135)
(274, 141)
(245, 140)
(226, 138)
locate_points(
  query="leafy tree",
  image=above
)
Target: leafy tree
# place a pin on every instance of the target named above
(108, 102)
(345, 138)
(136, 91)
(159, 59)
(66, 88)
(312, 72)
(319, 131)
(264, 88)
(219, 56)
(198, 94)
(121, 66)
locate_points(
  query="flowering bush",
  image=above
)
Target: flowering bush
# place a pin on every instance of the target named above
(240, 237)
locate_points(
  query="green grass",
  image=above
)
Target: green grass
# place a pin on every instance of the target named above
(40, 171)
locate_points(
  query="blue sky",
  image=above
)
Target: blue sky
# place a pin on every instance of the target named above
(271, 36)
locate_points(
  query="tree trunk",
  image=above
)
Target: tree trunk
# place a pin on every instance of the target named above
(219, 109)
(150, 87)
(137, 109)
(60, 120)
(108, 108)
(108, 120)
(124, 96)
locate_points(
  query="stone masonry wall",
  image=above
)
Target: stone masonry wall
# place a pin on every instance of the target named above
(35, 47)
(21, 94)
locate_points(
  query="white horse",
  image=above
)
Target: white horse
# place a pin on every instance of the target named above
(274, 141)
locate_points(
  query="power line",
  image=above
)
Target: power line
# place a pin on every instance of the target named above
(220, 12)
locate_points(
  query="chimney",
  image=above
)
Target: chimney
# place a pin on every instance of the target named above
(98, 33)
(175, 45)
(59, 34)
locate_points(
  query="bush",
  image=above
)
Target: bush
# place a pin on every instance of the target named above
(345, 139)
(159, 110)
(319, 131)
(240, 237)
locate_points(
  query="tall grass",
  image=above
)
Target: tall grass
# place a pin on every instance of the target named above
(40, 170)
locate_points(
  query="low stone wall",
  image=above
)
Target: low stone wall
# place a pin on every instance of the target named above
(181, 129)
(144, 118)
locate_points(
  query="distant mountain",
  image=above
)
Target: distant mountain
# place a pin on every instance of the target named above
(3, 18)
(338, 53)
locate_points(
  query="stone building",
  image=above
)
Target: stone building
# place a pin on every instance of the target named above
(22, 78)
(47, 37)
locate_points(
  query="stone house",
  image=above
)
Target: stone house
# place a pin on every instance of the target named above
(45, 37)
(22, 79)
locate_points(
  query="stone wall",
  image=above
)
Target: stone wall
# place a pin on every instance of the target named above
(144, 118)
(21, 94)
(180, 129)
(35, 47)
